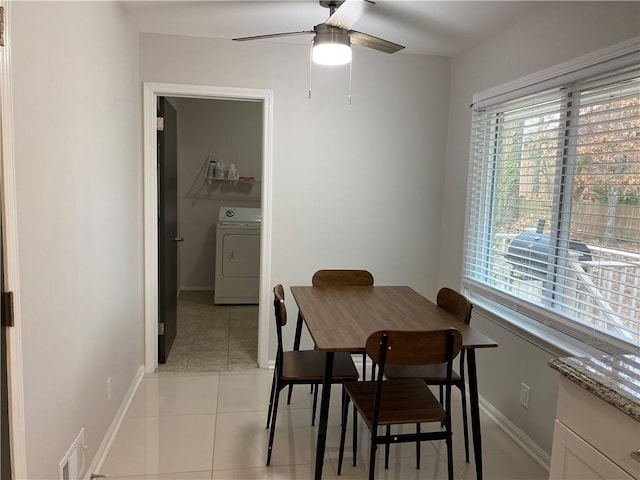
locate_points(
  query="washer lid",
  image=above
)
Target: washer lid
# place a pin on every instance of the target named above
(239, 215)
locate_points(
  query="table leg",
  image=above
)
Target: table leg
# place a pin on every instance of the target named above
(324, 415)
(475, 411)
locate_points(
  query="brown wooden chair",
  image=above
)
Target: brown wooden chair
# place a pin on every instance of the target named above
(328, 278)
(299, 367)
(386, 403)
(352, 278)
(461, 307)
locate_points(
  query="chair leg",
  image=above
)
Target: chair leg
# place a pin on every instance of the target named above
(315, 405)
(387, 447)
(418, 447)
(272, 431)
(345, 404)
(343, 429)
(364, 366)
(273, 389)
(372, 456)
(449, 456)
(289, 394)
(355, 435)
(441, 400)
(465, 426)
(449, 436)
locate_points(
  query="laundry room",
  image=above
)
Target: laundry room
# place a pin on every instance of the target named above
(219, 171)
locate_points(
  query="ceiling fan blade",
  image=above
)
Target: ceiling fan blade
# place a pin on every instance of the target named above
(274, 35)
(348, 13)
(369, 41)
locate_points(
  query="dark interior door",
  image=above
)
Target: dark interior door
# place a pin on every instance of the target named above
(167, 227)
(5, 450)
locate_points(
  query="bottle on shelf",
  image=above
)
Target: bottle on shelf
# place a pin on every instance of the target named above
(233, 172)
(219, 170)
(211, 166)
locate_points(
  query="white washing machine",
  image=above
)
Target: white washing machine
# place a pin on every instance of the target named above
(237, 256)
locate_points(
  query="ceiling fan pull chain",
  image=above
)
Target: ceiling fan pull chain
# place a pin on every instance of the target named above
(310, 67)
(350, 70)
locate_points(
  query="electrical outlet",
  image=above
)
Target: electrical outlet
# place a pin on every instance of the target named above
(525, 393)
(109, 388)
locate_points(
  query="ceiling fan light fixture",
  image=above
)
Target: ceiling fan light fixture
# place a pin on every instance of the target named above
(331, 54)
(331, 46)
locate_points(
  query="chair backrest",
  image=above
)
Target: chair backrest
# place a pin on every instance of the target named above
(351, 278)
(281, 320)
(414, 348)
(279, 306)
(455, 303)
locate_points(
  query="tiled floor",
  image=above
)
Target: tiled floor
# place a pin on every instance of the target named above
(212, 337)
(187, 426)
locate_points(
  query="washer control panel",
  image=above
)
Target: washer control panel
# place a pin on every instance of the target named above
(239, 215)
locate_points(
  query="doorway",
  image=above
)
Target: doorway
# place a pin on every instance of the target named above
(152, 91)
(211, 268)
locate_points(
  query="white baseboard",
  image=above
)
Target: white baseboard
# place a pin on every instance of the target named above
(516, 434)
(109, 437)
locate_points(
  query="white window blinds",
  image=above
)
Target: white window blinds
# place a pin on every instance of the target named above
(554, 212)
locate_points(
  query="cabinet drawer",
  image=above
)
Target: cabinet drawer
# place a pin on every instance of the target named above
(574, 459)
(609, 430)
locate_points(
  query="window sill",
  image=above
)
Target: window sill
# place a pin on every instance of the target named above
(552, 341)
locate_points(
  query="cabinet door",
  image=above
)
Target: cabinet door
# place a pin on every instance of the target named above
(573, 458)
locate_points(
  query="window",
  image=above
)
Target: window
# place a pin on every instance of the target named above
(554, 213)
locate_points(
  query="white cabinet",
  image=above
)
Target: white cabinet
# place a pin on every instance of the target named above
(592, 440)
(575, 459)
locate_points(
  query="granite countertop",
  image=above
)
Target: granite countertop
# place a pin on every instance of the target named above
(613, 378)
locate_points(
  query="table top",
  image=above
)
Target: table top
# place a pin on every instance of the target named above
(340, 319)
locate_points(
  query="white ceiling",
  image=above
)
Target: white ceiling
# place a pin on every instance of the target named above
(423, 27)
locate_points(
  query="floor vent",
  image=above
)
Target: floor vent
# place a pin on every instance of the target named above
(72, 464)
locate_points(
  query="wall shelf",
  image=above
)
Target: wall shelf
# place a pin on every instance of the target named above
(249, 180)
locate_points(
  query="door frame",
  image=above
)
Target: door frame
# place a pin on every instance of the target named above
(15, 379)
(151, 92)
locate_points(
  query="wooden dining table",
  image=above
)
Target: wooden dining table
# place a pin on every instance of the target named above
(340, 319)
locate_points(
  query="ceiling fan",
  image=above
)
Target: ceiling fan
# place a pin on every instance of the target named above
(333, 38)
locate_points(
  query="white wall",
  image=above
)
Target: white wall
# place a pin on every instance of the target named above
(231, 131)
(354, 185)
(553, 34)
(79, 200)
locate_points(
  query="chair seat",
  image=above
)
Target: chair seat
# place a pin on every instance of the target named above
(307, 366)
(433, 374)
(403, 401)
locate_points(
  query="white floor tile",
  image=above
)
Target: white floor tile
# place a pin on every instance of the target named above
(248, 390)
(242, 439)
(167, 444)
(197, 426)
(433, 468)
(288, 472)
(503, 464)
(205, 475)
(175, 394)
